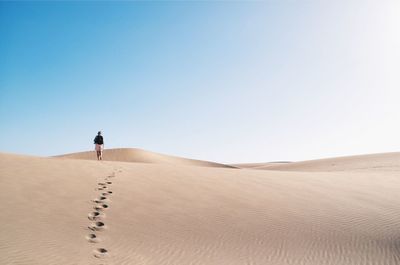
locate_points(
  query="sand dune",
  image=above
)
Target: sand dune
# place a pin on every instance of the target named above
(70, 211)
(142, 156)
(386, 161)
(259, 165)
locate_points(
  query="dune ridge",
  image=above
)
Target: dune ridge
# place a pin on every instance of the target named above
(260, 165)
(381, 161)
(141, 156)
(162, 213)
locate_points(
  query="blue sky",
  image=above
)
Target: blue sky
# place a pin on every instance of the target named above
(222, 81)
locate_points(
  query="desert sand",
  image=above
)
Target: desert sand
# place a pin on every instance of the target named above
(145, 208)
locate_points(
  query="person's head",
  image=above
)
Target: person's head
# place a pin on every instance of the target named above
(99, 133)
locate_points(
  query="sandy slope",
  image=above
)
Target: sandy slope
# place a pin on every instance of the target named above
(373, 162)
(143, 156)
(259, 165)
(177, 214)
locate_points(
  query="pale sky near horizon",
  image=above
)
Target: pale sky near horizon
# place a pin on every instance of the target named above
(221, 81)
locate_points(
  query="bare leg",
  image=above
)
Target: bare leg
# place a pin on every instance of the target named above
(98, 155)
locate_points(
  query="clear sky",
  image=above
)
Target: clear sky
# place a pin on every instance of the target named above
(222, 81)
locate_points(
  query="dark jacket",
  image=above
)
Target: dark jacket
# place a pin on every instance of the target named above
(98, 139)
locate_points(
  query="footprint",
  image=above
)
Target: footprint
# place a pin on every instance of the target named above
(97, 226)
(100, 225)
(92, 238)
(101, 207)
(100, 253)
(101, 199)
(109, 182)
(95, 216)
(101, 184)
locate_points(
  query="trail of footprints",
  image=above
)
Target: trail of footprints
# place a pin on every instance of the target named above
(97, 216)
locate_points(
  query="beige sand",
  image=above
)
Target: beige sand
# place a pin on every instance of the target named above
(164, 213)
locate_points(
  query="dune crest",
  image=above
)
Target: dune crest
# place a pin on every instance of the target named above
(371, 162)
(142, 156)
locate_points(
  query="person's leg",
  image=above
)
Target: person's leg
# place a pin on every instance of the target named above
(98, 155)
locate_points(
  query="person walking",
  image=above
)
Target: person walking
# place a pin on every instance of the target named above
(99, 144)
